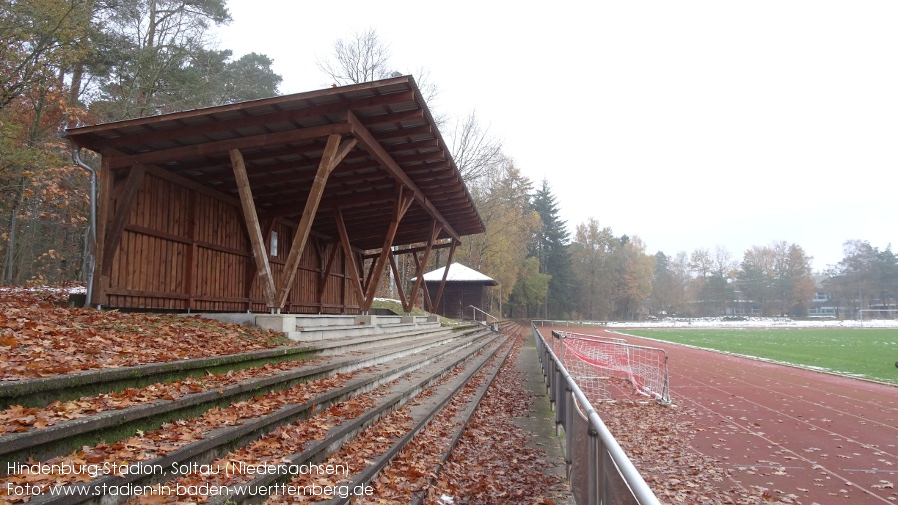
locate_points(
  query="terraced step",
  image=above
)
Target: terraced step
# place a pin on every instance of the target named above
(113, 425)
(40, 392)
(420, 416)
(431, 363)
(377, 422)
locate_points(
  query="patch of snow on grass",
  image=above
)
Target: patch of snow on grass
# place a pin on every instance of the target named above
(754, 322)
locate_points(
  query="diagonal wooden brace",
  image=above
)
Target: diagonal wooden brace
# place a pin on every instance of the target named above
(436, 303)
(403, 202)
(254, 230)
(435, 230)
(334, 152)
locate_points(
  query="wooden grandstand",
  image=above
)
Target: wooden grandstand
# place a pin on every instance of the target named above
(292, 203)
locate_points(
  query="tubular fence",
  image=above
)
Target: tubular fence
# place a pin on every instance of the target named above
(599, 470)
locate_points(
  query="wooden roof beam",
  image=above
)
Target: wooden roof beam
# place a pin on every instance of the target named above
(404, 133)
(413, 250)
(367, 141)
(393, 118)
(338, 183)
(250, 120)
(223, 146)
(380, 196)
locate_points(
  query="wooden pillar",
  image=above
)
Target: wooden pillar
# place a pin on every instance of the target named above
(403, 202)
(190, 258)
(116, 226)
(260, 254)
(428, 303)
(326, 273)
(436, 303)
(334, 152)
(421, 265)
(399, 288)
(104, 197)
(349, 258)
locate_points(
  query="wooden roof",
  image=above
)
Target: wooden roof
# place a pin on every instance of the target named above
(282, 140)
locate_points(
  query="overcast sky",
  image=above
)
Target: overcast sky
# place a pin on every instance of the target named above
(690, 124)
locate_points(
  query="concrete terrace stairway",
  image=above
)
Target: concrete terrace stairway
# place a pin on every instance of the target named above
(310, 328)
(236, 428)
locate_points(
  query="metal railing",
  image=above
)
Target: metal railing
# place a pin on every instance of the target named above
(600, 472)
(486, 316)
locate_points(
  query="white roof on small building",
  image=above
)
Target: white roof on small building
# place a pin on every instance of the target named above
(459, 273)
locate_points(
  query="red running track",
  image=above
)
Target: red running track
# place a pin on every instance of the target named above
(823, 438)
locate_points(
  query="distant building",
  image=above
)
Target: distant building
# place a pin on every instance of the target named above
(464, 287)
(822, 306)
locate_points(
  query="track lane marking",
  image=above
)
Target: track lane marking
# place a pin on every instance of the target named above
(814, 465)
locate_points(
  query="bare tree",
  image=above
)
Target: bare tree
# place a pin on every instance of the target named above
(723, 262)
(476, 152)
(363, 57)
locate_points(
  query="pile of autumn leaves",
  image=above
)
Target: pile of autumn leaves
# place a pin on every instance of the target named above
(658, 440)
(41, 338)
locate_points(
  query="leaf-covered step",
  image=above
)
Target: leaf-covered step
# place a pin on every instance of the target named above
(305, 442)
(213, 434)
(382, 444)
(38, 392)
(388, 408)
(115, 425)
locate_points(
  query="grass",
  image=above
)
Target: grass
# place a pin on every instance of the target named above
(862, 352)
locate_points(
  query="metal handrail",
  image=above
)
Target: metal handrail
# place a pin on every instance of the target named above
(475, 310)
(601, 483)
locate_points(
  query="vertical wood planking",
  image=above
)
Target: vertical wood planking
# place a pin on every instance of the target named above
(162, 262)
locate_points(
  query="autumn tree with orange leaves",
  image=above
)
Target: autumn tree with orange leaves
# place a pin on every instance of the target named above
(68, 62)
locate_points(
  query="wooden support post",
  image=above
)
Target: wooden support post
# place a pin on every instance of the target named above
(403, 202)
(104, 197)
(428, 302)
(354, 278)
(435, 230)
(325, 275)
(252, 269)
(260, 254)
(436, 303)
(117, 223)
(334, 152)
(370, 272)
(190, 259)
(405, 305)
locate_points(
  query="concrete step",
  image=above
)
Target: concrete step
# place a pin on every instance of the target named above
(310, 328)
(113, 425)
(417, 362)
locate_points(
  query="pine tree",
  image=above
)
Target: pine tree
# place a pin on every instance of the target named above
(550, 248)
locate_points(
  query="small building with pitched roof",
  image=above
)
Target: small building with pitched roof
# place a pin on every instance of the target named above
(463, 288)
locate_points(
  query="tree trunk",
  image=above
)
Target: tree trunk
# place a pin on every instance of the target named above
(11, 247)
(77, 76)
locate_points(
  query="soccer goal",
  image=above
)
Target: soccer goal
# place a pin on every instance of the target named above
(878, 313)
(607, 368)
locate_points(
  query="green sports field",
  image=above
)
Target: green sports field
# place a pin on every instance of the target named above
(863, 352)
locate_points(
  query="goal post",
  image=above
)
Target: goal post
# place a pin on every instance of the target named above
(596, 362)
